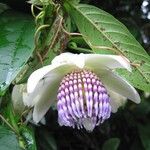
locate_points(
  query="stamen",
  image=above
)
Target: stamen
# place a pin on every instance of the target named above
(83, 101)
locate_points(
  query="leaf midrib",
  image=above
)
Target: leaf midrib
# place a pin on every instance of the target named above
(105, 34)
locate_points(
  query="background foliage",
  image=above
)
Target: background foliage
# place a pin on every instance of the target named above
(129, 128)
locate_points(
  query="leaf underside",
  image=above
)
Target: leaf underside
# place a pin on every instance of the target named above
(107, 35)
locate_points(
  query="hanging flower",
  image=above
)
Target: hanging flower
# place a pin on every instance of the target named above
(85, 87)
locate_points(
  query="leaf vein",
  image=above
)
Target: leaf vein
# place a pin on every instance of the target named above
(106, 36)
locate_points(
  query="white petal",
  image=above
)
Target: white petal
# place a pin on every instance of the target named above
(43, 97)
(45, 92)
(69, 58)
(30, 99)
(48, 96)
(17, 98)
(37, 75)
(106, 61)
(119, 85)
(43, 121)
(116, 101)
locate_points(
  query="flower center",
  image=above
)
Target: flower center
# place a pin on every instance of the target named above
(83, 100)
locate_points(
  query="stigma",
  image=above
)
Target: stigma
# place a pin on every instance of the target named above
(83, 101)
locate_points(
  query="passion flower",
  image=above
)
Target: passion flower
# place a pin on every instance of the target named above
(84, 86)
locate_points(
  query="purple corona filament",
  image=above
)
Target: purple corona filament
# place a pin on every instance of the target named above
(83, 100)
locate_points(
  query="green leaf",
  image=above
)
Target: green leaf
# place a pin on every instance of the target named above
(28, 136)
(16, 45)
(8, 139)
(144, 132)
(112, 144)
(105, 34)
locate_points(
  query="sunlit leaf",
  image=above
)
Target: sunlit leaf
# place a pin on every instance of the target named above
(105, 34)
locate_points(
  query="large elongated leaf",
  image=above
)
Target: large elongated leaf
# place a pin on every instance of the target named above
(105, 34)
(16, 45)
